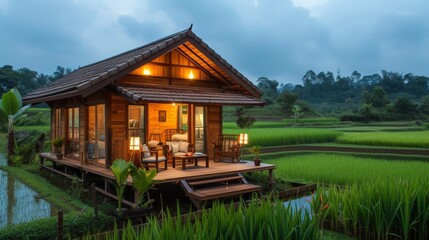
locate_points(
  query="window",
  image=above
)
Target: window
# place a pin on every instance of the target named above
(96, 133)
(136, 121)
(200, 129)
(72, 147)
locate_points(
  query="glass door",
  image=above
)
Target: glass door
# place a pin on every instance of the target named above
(96, 134)
(200, 129)
(72, 146)
(136, 123)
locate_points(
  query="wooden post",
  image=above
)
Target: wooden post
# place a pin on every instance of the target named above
(94, 200)
(270, 179)
(60, 224)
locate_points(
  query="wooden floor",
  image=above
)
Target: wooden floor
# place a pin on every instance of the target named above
(172, 175)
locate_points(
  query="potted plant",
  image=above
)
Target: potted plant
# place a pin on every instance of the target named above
(256, 150)
(58, 144)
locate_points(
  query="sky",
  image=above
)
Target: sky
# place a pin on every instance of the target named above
(277, 39)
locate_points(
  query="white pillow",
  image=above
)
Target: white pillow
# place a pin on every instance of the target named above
(175, 147)
(146, 152)
(153, 143)
(180, 137)
(183, 147)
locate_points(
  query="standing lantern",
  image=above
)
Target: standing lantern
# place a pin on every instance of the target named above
(242, 140)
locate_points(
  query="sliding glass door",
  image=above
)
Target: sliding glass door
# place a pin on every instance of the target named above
(96, 134)
(72, 144)
(200, 129)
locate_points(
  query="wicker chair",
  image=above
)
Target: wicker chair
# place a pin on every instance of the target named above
(227, 148)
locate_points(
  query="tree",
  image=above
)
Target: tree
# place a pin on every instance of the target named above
(379, 97)
(424, 105)
(309, 78)
(297, 112)
(286, 100)
(269, 89)
(405, 106)
(392, 81)
(11, 110)
(60, 72)
(244, 121)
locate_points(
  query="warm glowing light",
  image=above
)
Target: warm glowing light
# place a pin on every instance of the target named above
(243, 139)
(146, 72)
(134, 143)
(191, 75)
(174, 104)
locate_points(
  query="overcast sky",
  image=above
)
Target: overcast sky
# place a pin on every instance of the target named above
(278, 39)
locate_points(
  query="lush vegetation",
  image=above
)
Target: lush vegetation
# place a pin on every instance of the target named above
(286, 136)
(397, 209)
(346, 169)
(75, 225)
(258, 220)
(400, 139)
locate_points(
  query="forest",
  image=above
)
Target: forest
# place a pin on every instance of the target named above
(385, 96)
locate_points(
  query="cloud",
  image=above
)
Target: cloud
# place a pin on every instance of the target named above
(276, 39)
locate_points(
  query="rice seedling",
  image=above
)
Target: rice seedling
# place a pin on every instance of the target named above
(346, 169)
(286, 136)
(383, 210)
(258, 220)
(417, 139)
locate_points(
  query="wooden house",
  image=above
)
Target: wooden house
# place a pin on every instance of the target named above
(174, 85)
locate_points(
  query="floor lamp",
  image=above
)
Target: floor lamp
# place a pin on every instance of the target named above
(134, 147)
(242, 140)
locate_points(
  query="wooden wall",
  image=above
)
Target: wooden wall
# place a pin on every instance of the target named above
(117, 126)
(214, 127)
(154, 125)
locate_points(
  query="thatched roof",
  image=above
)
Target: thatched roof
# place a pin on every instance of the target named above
(91, 78)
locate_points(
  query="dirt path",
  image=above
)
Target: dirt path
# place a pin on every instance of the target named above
(422, 152)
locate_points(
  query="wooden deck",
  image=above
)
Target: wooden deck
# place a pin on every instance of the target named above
(172, 175)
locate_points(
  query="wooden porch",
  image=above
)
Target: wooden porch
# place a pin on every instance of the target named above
(172, 175)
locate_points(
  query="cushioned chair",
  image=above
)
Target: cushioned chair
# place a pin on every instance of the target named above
(152, 157)
(179, 148)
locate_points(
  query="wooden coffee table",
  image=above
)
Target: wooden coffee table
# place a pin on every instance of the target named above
(193, 157)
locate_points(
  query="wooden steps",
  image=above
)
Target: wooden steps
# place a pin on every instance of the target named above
(225, 186)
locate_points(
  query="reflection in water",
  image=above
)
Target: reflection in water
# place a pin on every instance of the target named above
(303, 203)
(19, 203)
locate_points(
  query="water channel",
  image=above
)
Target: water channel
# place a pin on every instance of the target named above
(18, 202)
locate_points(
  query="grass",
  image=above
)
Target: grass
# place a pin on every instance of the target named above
(383, 210)
(259, 220)
(45, 190)
(346, 169)
(44, 128)
(286, 136)
(417, 139)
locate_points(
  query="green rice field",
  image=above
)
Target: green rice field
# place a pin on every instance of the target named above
(346, 169)
(418, 139)
(286, 136)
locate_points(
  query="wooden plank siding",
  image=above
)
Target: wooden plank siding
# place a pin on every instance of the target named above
(117, 126)
(214, 127)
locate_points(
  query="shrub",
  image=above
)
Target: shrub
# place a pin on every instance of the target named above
(46, 228)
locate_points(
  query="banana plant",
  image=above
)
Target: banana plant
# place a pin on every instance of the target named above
(142, 182)
(11, 110)
(121, 169)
